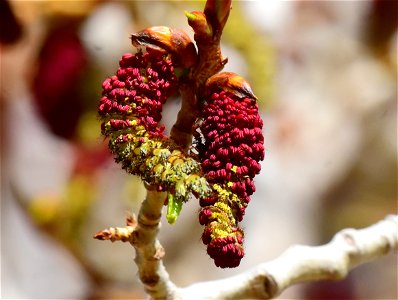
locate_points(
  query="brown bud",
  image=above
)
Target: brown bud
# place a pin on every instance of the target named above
(173, 41)
(230, 82)
(217, 12)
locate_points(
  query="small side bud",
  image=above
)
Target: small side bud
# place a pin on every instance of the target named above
(173, 41)
(229, 82)
(197, 20)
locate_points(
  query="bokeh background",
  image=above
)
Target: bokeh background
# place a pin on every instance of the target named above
(326, 76)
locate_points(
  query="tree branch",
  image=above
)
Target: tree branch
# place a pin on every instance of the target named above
(208, 29)
(149, 252)
(332, 261)
(142, 235)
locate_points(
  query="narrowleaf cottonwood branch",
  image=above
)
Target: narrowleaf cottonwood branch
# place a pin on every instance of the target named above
(348, 249)
(333, 261)
(149, 252)
(142, 235)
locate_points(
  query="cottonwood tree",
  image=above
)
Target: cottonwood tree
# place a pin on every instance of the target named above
(213, 153)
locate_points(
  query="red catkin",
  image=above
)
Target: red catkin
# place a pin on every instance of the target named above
(229, 141)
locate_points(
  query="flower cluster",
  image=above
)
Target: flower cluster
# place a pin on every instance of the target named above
(230, 145)
(130, 111)
(228, 141)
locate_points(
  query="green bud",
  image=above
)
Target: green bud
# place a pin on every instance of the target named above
(173, 208)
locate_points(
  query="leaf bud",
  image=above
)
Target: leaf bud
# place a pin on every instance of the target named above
(217, 13)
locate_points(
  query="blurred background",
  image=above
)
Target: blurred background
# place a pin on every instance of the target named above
(326, 76)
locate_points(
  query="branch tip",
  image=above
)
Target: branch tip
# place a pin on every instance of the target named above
(102, 235)
(190, 16)
(113, 234)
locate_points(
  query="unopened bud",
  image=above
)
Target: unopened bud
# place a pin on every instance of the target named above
(217, 12)
(173, 41)
(229, 82)
(197, 20)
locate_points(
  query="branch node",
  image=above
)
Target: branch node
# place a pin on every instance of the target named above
(160, 253)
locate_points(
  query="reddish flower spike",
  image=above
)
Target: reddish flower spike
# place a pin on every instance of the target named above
(229, 141)
(130, 110)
